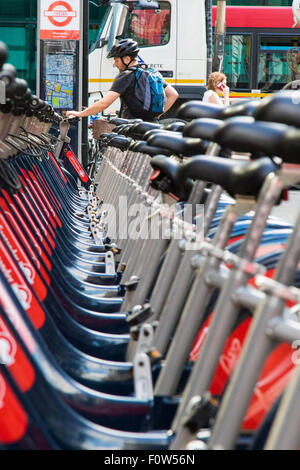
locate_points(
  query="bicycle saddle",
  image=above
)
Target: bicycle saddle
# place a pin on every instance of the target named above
(143, 147)
(283, 108)
(291, 146)
(247, 108)
(236, 177)
(107, 135)
(180, 145)
(142, 127)
(120, 121)
(198, 109)
(120, 129)
(243, 134)
(175, 126)
(169, 168)
(203, 128)
(119, 142)
(158, 131)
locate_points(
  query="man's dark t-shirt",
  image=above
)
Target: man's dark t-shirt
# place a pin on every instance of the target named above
(124, 85)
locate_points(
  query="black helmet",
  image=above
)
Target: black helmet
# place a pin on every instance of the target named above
(124, 47)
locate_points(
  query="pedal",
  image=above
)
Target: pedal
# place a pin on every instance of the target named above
(154, 355)
(109, 263)
(136, 317)
(113, 248)
(200, 411)
(82, 194)
(97, 236)
(142, 375)
(132, 283)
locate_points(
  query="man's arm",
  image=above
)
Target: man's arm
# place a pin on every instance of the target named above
(171, 97)
(97, 107)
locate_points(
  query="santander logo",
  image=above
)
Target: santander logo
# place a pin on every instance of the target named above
(228, 361)
(76, 165)
(28, 271)
(23, 294)
(8, 346)
(2, 391)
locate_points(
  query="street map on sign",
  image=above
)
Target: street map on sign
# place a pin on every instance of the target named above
(59, 80)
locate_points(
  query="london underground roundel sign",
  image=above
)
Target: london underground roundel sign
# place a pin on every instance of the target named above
(59, 19)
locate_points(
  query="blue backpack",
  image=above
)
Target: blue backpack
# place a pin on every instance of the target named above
(148, 98)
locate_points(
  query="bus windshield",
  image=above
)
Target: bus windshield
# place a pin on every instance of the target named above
(95, 41)
(278, 62)
(148, 27)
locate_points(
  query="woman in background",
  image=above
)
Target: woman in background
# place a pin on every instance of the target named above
(217, 84)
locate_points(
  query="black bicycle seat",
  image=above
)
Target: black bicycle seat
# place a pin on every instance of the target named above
(179, 145)
(152, 132)
(108, 135)
(119, 129)
(119, 121)
(126, 129)
(119, 142)
(247, 108)
(198, 109)
(243, 134)
(176, 126)
(235, 176)
(203, 128)
(282, 107)
(143, 147)
(291, 146)
(169, 169)
(167, 165)
(142, 127)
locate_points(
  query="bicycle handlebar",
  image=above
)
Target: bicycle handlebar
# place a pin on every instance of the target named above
(71, 119)
(19, 98)
(8, 74)
(3, 53)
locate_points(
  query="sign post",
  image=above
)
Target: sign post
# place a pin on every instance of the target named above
(218, 59)
(59, 49)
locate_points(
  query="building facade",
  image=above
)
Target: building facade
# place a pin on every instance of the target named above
(18, 27)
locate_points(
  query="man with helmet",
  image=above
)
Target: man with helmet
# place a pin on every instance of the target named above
(125, 55)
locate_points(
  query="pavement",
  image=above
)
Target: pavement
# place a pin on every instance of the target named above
(288, 210)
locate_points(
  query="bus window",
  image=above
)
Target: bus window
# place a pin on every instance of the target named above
(148, 27)
(237, 61)
(278, 62)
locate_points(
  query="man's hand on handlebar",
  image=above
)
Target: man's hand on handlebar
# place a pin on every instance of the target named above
(73, 114)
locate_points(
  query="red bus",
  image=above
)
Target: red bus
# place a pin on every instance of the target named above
(262, 49)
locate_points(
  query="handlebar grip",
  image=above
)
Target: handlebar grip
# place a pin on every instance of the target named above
(8, 73)
(7, 107)
(17, 89)
(26, 97)
(57, 117)
(47, 108)
(35, 103)
(3, 53)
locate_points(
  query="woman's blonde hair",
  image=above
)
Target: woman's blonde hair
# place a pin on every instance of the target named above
(215, 78)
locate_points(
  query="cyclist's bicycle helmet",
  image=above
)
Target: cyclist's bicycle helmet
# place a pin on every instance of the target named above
(123, 48)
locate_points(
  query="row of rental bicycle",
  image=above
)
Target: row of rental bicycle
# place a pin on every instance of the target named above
(155, 305)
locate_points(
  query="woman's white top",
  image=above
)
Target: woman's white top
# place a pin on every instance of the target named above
(208, 94)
